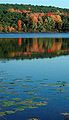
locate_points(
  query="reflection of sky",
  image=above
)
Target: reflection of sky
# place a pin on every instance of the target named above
(58, 3)
(54, 68)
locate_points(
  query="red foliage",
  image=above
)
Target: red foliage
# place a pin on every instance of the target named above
(49, 14)
(19, 25)
(34, 16)
(55, 17)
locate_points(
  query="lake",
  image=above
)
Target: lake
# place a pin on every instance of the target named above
(34, 76)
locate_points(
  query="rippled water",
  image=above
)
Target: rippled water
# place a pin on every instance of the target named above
(34, 79)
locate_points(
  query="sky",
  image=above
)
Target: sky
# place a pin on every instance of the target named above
(57, 3)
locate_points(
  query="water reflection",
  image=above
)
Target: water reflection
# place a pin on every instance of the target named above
(33, 47)
(38, 88)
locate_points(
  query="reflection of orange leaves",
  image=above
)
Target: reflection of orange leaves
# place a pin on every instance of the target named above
(55, 47)
(19, 41)
(49, 51)
(41, 50)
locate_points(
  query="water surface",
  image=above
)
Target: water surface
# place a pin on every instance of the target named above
(34, 35)
(34, 78)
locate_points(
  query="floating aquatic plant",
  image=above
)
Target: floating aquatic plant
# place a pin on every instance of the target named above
(30, 92)
(16, 99)
(41, 103)
(28, 80)
(67, 97)
(14, 103)
(8, 103)
(25, 86)
(20, 108)
(32, 107)
(33, 119)
(2, 113)
(65, 114)
(9, 112)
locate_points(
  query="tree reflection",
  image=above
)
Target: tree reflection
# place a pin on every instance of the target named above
(66, 117)
(33, 47)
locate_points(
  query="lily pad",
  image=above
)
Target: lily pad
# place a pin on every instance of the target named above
(30, 92)
(20, 108)
(16, 99)
(28, 80)
(9, 112)
(41, 103)
(8, 103)
(33, 119)
(65, 114)
(2, 113)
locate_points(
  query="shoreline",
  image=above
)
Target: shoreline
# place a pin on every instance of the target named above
(35, 35)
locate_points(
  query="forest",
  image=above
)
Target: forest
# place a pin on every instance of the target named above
(30, 18)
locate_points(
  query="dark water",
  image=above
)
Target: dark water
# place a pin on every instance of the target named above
(34, 78)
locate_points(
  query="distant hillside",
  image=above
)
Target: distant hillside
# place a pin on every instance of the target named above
(30, 18)
(33, 8)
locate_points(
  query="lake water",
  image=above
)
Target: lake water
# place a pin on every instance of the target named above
(34, 78)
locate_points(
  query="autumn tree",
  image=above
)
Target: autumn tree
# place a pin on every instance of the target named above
(19, 23)
(49, 24)
(65, 24)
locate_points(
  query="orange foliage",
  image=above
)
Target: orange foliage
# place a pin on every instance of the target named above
(11, 29)
(55, 17)
(49, 14)
(25, 11)
(1, 28)
(11, 10)
(18, 11)
(41, 14)
(19, 25)
(34, 17)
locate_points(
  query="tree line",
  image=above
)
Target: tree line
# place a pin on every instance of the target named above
(30, 18)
